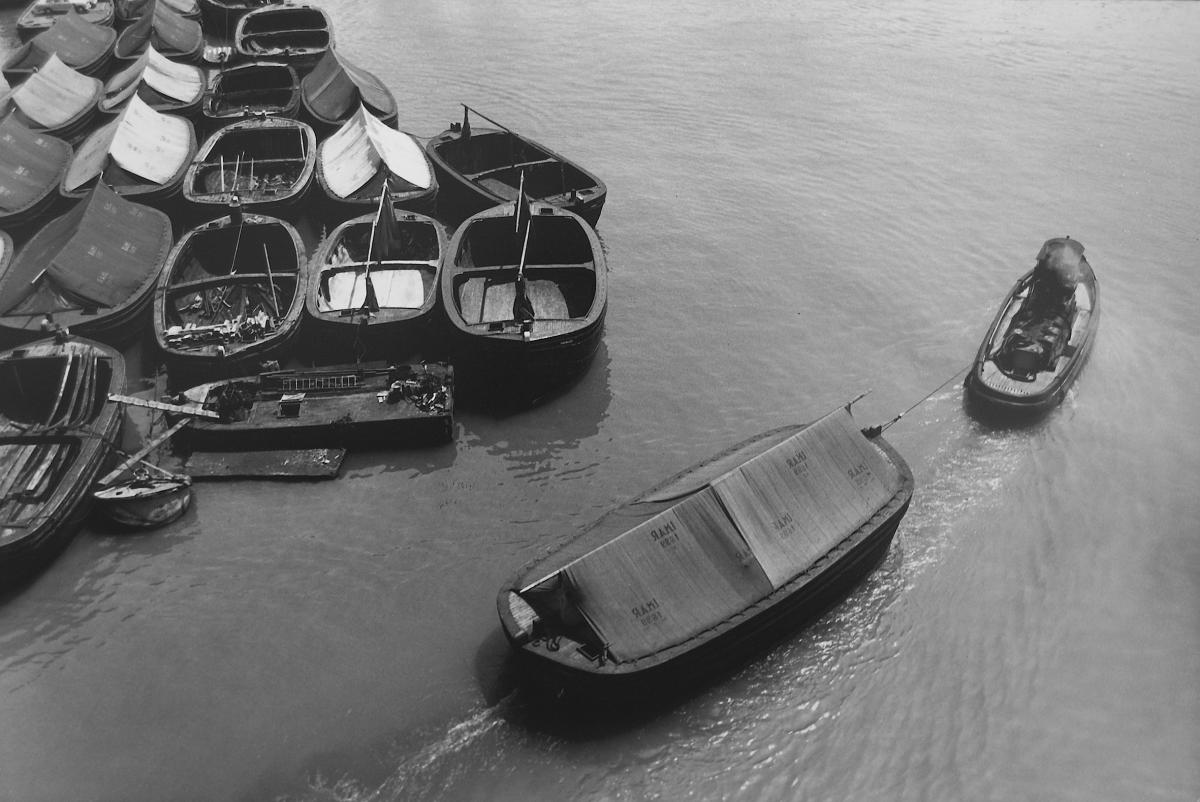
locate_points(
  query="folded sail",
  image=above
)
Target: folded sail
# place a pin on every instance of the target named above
(354, 154)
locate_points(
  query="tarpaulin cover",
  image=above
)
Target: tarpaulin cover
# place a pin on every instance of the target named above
(668, 579)
(56, 94)
(1060, 263)
(181, 82)
(799, 499)
(354, 153)
(77, 42)
(31, 165)
(166, 29)
(335, 87)
(395, 288)
(141, 141)
(99, 254)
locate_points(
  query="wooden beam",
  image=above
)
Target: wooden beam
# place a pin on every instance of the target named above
(179, 409)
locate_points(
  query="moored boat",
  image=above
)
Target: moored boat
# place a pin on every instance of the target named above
(257, 89)
(230, 297)
(221, 16)
(363, 405)
(526, 298)
(693, 576)
(164, 85)
(1042, 335)
(170, 33)
(265, 164)
(56, 427)
(31, 167)
(355, 163)
(144, 501)
(92, 270)
(55, 100)
(336, 89)
(374, 284)
(81, 45)
(141, 155)
(128, 11)
(41, 14)
(295, 33)
(480, 167)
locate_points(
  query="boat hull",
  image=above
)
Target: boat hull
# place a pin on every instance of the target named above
(148, 505)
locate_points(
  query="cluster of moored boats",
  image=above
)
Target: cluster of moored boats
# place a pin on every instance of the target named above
(221, 168)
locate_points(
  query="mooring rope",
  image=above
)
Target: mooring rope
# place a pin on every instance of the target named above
(875, 431)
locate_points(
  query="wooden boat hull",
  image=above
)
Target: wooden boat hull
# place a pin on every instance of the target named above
(991, 389)
(282, 153)
(555, 664)
(145, 504)
(329, 415)
(29, 541)
(472, 181)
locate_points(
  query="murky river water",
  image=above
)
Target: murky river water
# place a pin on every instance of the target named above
(806, 200)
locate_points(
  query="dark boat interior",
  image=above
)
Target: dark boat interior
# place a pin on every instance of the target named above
(268, 88)
(304, 29)
(495, 160)
(256, 162)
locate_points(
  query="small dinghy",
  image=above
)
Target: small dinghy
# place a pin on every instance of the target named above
(41, 14)
(479, 168)
(296, 34)
(230, 297)
(141, 155)
(335, 90)
(31, 168)
(694, 576)
(164, 85)
(356, 162)
(55, 100)
(525, 289)
(364, 406)
(267, 164)
(140, 495)
(375, 283)
(81, 45)
(257, 89)
(91, 270)
(1041, 336)
(171, 34)
(56, 427)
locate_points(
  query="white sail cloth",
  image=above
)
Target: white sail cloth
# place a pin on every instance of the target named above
(353, 155)
(141, 141)
(55, 94)
(181, 82)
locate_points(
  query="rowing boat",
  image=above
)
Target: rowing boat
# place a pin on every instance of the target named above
(295, 33)
(266, 164)
(31, 168)
(257, 89)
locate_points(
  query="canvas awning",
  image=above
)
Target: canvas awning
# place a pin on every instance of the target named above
(181, 82)
(731, 543)
(141, 141)
(335, 87)
(56, 94)
(31, 165)
(354, 153)
(98, 255)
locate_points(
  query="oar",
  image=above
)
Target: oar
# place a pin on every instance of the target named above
(271, 281)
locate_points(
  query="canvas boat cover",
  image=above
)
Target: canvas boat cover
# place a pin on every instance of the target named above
(166, 29)
(98, 255)
(335, 87)
(56, 94)
(731, 543)
(354, 153)
(142, 141)
(31, 165)
(181, 82)
(77, 42)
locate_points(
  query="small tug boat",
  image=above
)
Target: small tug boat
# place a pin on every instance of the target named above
(1042, 334)
(692, 577)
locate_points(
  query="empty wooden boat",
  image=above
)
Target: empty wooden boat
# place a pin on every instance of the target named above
(1042, 334)
(92, 270)
(266, 164)
(41, 14)
(336, 89)
(257, 89)
(31, 167)
(164, 85)
(141, 155)
(526, 303)
(173, 35)
(374, 285)
(81, 45)
(55, 100)
(56, 424)
(230, 297)
(294, 33)
(355, 163)
(480, 167)
(360, 406)
(695, 575)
